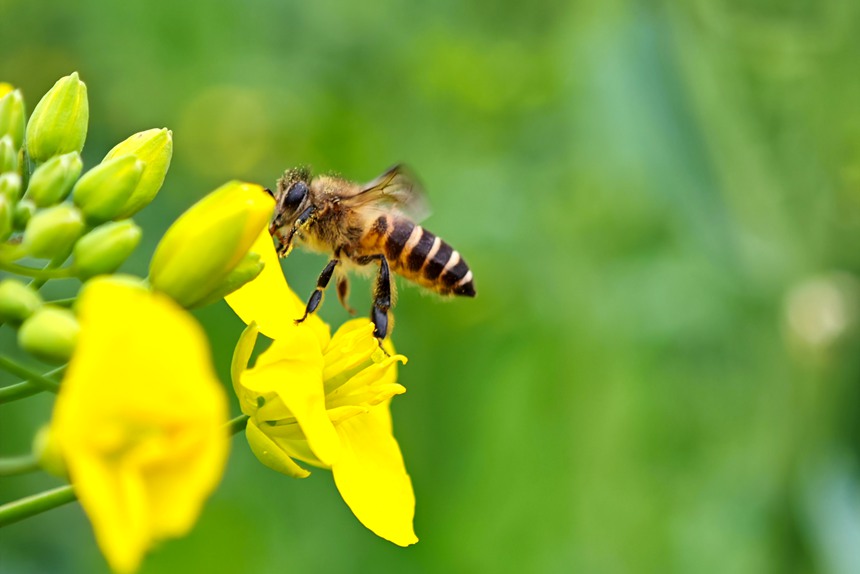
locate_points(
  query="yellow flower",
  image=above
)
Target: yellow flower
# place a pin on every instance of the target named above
(207, 242)
(139, 420)
(323, 400)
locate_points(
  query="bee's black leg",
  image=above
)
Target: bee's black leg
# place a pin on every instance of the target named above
(343, 293)
(381, 300)
(316, 296)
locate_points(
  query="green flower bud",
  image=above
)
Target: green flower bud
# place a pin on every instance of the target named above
(53, 231)
(8, 154)
(10, 186)
(52, 181)
(155, 148)
(105, 248)
(208, 241)
(247, 270)
(7, 217)
(47, 450)
(12, 117)
(50, 334)
(24, 212)
(17, 301)
(102, 191)
(59, 122)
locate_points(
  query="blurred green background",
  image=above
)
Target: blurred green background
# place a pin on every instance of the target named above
(660, 202)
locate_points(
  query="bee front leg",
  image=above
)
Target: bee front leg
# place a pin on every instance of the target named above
(317, 295)
(287, 244)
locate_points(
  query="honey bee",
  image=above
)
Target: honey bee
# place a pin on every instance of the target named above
(366, 224)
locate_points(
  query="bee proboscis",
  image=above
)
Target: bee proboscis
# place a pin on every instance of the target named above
(373, 223)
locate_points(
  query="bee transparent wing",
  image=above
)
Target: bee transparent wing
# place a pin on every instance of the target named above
(397, 190)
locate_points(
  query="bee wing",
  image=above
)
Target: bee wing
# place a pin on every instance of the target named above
(397, 190)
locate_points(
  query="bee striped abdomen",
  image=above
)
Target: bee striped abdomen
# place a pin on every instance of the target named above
(422, 257)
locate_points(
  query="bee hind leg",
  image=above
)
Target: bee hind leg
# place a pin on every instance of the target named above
(343, 292)
(316, 297)
(381, 300)
(381, 296)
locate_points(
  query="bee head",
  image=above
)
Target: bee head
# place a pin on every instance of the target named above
(291, 197)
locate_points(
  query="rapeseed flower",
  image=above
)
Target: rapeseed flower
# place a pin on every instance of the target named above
(323, 400)
(139, 420)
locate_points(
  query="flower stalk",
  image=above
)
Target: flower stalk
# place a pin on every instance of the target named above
(36, 504)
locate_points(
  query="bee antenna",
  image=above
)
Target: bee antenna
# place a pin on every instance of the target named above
(269, 191)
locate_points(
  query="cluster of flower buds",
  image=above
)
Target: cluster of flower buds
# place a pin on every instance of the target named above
(51, 208)
(49, 211)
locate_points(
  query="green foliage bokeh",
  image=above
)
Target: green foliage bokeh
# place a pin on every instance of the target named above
(661, 205)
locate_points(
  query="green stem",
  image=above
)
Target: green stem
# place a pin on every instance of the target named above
(36, 504)
(16, 368)
(237, 424)
(38, 282)
(26, 388)
(18, 465)
(38, 274)
(67, 302)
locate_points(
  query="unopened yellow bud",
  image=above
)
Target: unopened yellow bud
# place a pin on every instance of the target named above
(59, 121)
(52, 181)
(155, 148)
(53, 231)
(17, 301)
(10, 186)
(247, 270)
(50, 334)
(12, 117)
(208, 241)
(102, 191)
(8, 154)
(105, 248)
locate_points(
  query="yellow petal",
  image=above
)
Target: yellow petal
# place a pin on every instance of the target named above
(297, 381)
(270, 454)
(241, 356)
(116, 505)
(372, 479)
(269, 302)
(352, 345)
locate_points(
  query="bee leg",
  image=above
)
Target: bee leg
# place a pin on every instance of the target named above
(301, 220)
(343, 293)
(316, 296)
(381, 300)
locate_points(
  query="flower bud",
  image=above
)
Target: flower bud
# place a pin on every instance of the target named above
(247, 270)
(53, 231)
(7, 217)
(50, 334)
(155, 148)
(208, 241)
(12, 117)
(59, 121)
(105, 248)
(52, 181)
(24, 212)
(102, 191)
(47, 451)
(17, 301)
(8, 154)
(10, 186)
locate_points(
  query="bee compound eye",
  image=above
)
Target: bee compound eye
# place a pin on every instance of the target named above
(295, 195)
